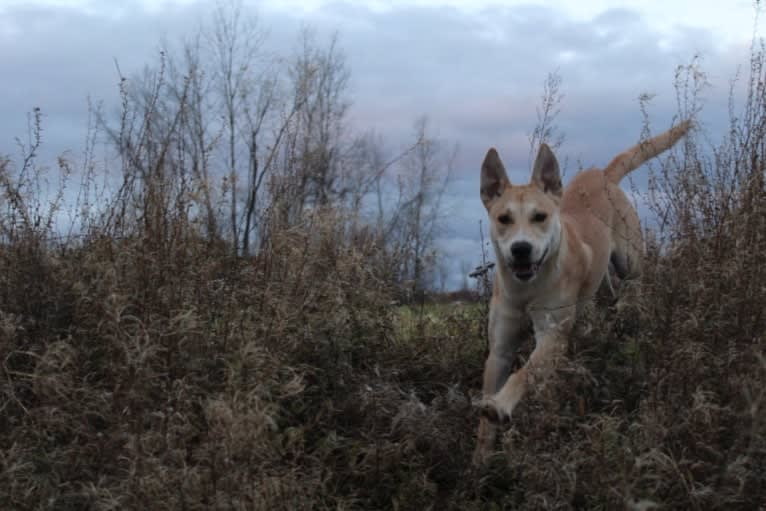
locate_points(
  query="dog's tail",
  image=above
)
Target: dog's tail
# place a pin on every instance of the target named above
(634, 157)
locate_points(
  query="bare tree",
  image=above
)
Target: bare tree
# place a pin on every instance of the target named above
(425, 174)
(202, 138)
(147, 139)
(236, 42)
(246, 85)
(322, 75)
(278, 127)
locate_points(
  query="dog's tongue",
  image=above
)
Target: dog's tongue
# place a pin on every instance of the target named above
(525, 271)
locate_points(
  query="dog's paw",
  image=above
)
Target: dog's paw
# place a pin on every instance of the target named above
(491, 410)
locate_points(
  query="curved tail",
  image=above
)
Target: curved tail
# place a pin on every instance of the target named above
(634, 157)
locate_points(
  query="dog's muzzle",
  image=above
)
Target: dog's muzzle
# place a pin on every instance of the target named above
(524, 269)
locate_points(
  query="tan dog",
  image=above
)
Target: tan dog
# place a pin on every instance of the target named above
(553, 248)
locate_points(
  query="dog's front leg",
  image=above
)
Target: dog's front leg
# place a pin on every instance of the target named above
(505, 335)
(552, 328)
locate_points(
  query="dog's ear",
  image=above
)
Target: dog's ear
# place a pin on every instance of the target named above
(546, 173)
(493, 177)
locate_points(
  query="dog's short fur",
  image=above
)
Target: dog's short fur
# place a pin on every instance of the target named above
(554, 248)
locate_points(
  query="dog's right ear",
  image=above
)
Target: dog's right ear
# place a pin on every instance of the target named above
(493, 178)
(546, 174)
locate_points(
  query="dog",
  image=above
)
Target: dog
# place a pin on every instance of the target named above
(554, 248)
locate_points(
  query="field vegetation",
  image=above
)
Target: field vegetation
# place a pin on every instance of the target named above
(225, 305)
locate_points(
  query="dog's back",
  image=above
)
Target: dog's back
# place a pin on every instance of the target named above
(605, 219)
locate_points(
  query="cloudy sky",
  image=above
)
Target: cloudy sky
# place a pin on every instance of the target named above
(475, 67)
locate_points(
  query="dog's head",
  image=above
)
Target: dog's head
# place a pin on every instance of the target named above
(524, 220)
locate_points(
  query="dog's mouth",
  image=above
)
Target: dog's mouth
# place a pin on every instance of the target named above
(525, 270)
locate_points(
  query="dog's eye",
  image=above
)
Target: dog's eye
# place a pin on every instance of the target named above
(539, 217)
(505, 219)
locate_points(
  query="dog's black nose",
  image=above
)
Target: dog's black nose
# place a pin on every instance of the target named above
(521, 250)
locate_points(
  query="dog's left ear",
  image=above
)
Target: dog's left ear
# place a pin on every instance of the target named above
(546, 173)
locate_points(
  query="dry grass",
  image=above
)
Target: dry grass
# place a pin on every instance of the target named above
(155, 371)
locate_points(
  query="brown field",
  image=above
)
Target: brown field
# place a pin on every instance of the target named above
(145, 366)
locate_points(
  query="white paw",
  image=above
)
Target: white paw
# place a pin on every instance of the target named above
(494, 411)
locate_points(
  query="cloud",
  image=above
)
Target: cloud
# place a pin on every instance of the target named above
(477, 75)
(55, 57)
